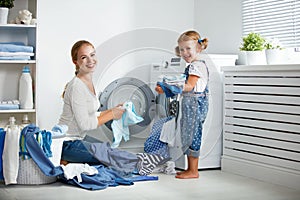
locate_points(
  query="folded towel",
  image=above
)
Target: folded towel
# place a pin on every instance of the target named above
(15, 58)
(9, 105)
(16, 54)
(174, 79)
(15, 48)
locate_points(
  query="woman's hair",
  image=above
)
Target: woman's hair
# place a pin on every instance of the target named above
(191, 35)
(75, 49)
(74, 54)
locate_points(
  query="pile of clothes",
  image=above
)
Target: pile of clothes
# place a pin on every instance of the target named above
(16, 51)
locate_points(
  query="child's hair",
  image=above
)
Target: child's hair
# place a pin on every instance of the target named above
(74, 54)
(191, 35)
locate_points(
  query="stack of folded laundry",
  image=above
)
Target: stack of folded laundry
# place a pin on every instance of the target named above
(172, 84)
(9, 105)
(16, 51)
(177, 79)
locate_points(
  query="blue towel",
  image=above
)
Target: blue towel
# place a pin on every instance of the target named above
(170, 90)
(120, 127)
(15, 57)
(15, 48)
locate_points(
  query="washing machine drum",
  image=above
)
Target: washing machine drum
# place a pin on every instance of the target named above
(134, 90)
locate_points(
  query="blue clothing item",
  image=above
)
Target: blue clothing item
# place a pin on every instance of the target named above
(170, 90)
(92, 151)
(15, 48)
(44, 139)
(152, 144)
(120, 127)
(15, 57)
(142, 178)
(121, 161)
(2, 140)
(47, 141)
(37, 154)
(106, 177)
(194, 112)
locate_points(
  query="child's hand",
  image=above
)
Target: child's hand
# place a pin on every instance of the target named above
(159, 90)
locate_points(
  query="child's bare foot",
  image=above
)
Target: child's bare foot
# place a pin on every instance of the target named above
(181, 172)
(187, 175)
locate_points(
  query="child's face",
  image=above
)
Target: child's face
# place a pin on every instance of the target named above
(86, 59)
(189, 50)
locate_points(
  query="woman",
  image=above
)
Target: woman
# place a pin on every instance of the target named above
(80, 115)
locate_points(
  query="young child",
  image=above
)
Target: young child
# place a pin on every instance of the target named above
(194, 99)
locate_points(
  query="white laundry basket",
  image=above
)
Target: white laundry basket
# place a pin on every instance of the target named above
(30, 174)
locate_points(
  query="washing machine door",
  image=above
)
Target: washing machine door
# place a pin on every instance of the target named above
(134, 90)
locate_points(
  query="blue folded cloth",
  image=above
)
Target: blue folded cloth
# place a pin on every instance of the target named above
(15, 57)
(12, 47)
(170, 90)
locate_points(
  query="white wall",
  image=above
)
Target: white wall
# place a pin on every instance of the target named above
(97, 21)
(221, 22)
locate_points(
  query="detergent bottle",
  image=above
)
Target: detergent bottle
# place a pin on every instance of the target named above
(11, 152)
(25, 89)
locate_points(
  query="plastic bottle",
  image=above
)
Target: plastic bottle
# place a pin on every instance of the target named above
(25, 89)
(11, 152)
(25, 121)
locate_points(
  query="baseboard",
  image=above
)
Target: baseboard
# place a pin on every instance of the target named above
(262, 172)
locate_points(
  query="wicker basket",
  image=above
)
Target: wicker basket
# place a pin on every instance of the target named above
(30, 174)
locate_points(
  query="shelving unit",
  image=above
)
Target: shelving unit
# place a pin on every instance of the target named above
(10, 70)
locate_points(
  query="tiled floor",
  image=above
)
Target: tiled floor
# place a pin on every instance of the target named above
(212, 185)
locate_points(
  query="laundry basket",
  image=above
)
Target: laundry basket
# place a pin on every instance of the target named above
(30, 174)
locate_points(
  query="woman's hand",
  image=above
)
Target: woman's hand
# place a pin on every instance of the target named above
(159, 90)
(117, 112)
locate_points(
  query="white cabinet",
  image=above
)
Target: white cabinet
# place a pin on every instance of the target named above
(10, 70)
(261, 128)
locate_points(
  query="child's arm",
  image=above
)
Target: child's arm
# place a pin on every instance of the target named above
(191, 83)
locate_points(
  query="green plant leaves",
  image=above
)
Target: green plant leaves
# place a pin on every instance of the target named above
(253, 42)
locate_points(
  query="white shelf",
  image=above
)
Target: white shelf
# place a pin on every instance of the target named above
(18, 111)
(17, 61)
(17, 26)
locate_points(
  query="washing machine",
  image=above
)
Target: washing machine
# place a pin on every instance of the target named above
(138, 86)
(129, 67)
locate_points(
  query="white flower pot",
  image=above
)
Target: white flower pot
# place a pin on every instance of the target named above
(3, 15)
(256, 57)
(275, 56)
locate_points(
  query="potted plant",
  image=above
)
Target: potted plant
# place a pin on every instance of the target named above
(254, 46)
(274, 53)
(5, 5)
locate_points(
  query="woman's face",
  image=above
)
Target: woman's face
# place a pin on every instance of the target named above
(189, 50)
(86, 59)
